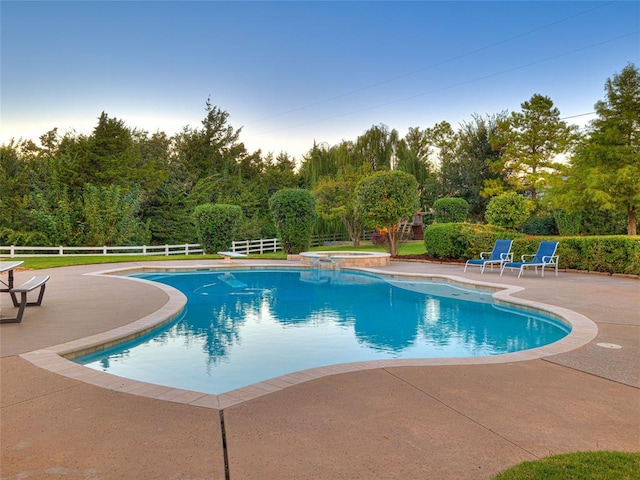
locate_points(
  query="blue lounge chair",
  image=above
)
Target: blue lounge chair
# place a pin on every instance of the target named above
(501, 253)
(544, 257)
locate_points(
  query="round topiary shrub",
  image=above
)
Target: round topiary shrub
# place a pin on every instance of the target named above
(508, 210)
(294, 213)
(384, 198)
(450, 210)
(216, 225)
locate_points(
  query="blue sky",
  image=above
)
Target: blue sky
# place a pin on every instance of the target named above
(291, 73)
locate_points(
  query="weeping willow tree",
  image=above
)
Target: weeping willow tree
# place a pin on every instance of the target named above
(376, 149)
(320, 162)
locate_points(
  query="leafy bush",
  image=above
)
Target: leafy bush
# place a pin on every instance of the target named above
(110, 216)
(609, 254)
(450, 210)
(294, 213)
(567, 223)
(462, 240)
(508, 210)
(255, 226)
(596, 221)
(216, 225)
(539, 225)
(386, 197)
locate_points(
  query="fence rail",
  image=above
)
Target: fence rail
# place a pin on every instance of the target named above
(256, 246)
(184, 249)
(273, 244)
(262, 245)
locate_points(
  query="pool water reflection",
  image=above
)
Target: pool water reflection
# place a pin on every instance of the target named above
(245, 326)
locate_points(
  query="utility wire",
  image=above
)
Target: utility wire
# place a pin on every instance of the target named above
(437, 64)
(448, 87)
(579, 115)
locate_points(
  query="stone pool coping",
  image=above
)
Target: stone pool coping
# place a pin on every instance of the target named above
(53, 358)
(345, 259)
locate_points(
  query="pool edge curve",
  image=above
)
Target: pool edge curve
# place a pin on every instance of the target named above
(57, 358)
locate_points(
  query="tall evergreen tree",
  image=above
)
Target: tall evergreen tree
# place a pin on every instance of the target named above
(530, 141)
(605, 172)
(208, 151)
(471, 167)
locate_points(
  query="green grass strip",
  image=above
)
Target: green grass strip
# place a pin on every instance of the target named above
(601, 465)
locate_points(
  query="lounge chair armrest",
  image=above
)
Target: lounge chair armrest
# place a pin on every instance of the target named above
(524, 257)
(550, 258)
(506, 257)
(482, 254)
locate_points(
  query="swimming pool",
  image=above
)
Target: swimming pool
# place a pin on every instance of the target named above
(244, 326)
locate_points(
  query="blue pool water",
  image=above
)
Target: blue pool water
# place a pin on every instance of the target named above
(245, 326)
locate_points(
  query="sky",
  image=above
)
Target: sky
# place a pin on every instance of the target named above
(297, 72)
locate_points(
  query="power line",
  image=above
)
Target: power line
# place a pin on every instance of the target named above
(579, 115)
(448, 87)
(437, 64)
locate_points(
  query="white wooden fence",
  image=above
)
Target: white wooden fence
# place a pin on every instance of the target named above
(256, 246)
(184, 249)
(262, 245)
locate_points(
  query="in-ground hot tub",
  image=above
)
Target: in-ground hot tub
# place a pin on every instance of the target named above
(345, 259)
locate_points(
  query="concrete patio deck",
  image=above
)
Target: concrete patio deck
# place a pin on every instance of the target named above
(409, 422)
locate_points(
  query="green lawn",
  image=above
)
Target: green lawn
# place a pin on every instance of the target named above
(603, 465)
(409, 248)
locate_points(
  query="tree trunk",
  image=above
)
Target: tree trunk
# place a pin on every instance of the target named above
(393, 240)
(632, 221)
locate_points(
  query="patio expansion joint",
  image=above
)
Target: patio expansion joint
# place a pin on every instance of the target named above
(78, 384)
(575, 369)
(462, 414)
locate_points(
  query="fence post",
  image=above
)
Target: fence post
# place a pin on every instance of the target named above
(186, 249)
(144, 249)
(60, 250)
(166, 250)
(12, 251)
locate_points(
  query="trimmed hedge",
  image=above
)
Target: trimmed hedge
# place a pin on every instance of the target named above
(607, 254)
(462, 240)
(216, 225)
(450, 210)
(294, 213)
